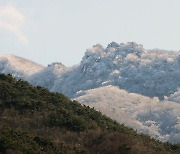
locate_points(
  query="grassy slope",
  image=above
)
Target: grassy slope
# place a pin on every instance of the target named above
(35, 120)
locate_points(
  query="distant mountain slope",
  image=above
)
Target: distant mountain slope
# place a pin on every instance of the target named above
(174, 97)
(48, 75)
(18, 66)
(159, 119)
(129, 67)
(152, 73)
(34, 120)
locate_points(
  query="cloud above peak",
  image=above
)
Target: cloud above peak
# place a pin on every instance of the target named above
(12, 20)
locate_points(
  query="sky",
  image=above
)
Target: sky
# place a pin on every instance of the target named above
(47, 31)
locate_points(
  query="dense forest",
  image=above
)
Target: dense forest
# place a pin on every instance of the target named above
(34, 120)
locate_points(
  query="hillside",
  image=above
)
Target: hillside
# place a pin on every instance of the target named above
(175, 97)
(139, 72)
(48, 75)
(159, 119)
(34, 120)
(152, 73)
(17, 66)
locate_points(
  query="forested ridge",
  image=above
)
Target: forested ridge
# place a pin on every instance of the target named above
(34, 120)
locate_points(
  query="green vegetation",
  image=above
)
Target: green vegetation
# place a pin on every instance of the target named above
(34, 120)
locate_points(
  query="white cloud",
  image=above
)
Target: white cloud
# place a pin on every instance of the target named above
(12, 20)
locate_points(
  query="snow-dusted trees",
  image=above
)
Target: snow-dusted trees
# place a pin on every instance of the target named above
(129, 66)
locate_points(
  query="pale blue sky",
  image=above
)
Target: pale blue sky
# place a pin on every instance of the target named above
(46, 31)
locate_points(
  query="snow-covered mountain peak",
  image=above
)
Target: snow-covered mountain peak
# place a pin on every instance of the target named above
(129, 46)
(96, 50)
(11, 57)
(148, 72)
(56, 65)
(7, 56)
(113, 49)
(18, 66)
(120, 80)
(132, 45)
(114, 52)
(113, 45)
(55, 68)
(98, 47)
(47, 76)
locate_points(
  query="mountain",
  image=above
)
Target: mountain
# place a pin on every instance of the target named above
(48, 75)
(175, 97)
(34, 120)
(153, 73)
(153, 76)
(159, 119)
(17, 66)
